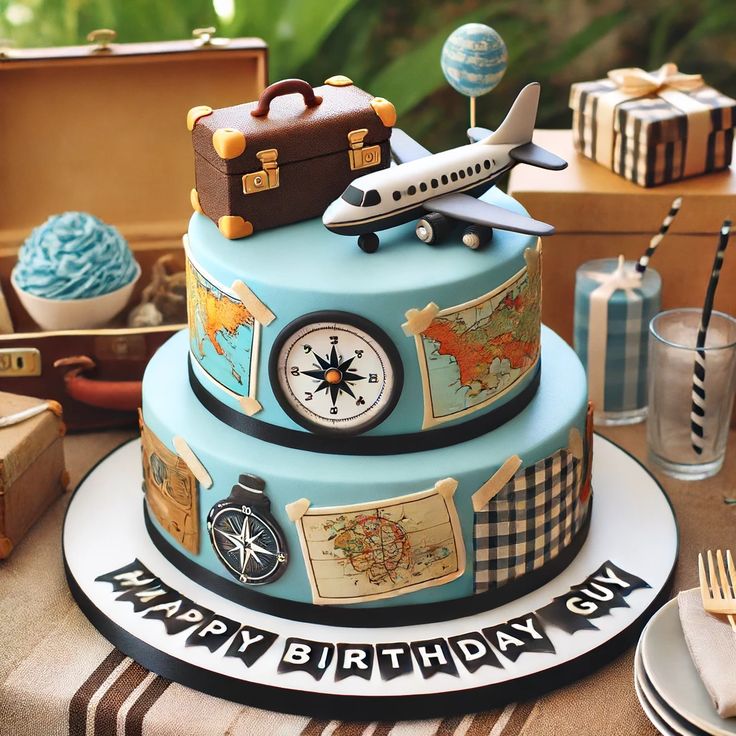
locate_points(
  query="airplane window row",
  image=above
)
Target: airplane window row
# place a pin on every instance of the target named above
(454, 176)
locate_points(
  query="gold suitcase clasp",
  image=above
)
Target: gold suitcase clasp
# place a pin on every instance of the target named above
(362, 157)
(267, 177)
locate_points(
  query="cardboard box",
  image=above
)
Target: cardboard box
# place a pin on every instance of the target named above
(102, 128)
(32, 470)
(599, 215)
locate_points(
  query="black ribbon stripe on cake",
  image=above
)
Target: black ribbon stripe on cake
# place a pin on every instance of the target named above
(395, 444)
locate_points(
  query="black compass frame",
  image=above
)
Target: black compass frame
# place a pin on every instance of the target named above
(353, 320)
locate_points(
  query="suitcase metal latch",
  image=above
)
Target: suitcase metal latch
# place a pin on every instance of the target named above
(362, 157)
(267, 177)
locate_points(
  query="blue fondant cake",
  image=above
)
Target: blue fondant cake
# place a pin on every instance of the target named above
(338, 432)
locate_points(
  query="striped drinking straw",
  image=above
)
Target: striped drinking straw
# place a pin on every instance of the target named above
(697, 411)
(657, 239)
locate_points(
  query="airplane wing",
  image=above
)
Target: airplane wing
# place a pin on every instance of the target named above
(469, 209)
(404, 148)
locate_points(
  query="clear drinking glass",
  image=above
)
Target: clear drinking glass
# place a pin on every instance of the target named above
(672, 340)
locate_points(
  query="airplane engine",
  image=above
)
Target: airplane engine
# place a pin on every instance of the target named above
(476, 236)
(433, 227)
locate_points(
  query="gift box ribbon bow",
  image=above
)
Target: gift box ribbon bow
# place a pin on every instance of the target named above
(639, 83)
(668, 84)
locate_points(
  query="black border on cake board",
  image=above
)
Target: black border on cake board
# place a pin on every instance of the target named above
(365, 708)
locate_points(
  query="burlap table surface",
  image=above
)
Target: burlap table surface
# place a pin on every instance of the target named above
(59, 676)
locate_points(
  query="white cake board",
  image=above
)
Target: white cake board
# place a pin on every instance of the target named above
(633, 526)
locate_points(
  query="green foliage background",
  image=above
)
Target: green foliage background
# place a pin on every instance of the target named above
(392, 48)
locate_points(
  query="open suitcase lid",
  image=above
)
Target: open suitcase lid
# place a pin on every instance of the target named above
(102, 129)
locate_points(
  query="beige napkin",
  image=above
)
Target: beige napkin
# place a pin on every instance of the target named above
(712, 645)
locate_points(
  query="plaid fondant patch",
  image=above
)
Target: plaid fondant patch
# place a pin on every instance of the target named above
(529, 522)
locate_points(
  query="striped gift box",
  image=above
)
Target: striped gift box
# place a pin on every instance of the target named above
(655, 138)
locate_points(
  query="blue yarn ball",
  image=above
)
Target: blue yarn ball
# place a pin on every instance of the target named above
(474, 59)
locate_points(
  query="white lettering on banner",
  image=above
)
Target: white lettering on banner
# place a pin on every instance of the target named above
(506, 640)
(581, 607)
(394, 655)
(604, 594)
(354, 658)
(248, 640)
(611, 577)
(428, 656)
(529, 628)
(213, 627)
(465, 646)
(297, 653)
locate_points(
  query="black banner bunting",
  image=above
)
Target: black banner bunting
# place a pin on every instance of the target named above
(602, 591)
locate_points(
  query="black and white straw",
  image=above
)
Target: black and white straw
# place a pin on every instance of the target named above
(697, 411)
(657, 239)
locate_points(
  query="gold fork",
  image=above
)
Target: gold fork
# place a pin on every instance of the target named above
(718, 588)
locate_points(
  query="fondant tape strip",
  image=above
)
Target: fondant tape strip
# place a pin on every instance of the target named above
(575, 443)
(296, 509)
(252, 303)
(192, 462)
(250, 405)
(446, 487)
(418, 320)
(495, 483)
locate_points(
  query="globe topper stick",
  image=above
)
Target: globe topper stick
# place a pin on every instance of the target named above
(473, 60)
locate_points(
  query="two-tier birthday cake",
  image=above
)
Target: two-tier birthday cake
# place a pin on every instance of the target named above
(387, 431)
(367, 472)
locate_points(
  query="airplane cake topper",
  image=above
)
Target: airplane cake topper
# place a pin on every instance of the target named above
(440, 189)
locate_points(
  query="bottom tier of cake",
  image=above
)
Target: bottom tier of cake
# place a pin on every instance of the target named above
(374, 539)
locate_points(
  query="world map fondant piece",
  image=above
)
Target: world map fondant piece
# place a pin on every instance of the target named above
(222, 333)
(472, 354)
(382, 549)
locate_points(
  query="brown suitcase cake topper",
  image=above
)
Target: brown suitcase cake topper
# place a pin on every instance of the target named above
(285, 157)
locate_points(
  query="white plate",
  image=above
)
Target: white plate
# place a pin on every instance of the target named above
(644, 688)
(650, 713)
(670, 669)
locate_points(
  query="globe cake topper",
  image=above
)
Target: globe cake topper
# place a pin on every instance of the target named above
(473, 60)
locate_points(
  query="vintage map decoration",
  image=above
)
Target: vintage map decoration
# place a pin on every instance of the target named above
(171, 490)
(381, 549)
(223, 334)
(472, 354)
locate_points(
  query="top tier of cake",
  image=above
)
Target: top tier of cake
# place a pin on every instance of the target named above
(424, 337)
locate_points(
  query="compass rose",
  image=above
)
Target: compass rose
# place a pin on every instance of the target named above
(335, 375)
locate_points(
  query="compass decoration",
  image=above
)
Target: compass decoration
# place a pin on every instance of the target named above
(335, 373)
(245, 536)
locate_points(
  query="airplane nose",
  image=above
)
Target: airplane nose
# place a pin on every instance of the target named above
(332, 214)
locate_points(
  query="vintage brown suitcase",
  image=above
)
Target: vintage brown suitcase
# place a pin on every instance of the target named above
(98, 128)
(285, 157)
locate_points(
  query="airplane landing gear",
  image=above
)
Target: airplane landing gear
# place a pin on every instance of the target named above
(432, 228)
(476, 236)
(368, 242)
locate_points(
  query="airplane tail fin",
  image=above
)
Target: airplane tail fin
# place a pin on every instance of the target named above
(518, 125)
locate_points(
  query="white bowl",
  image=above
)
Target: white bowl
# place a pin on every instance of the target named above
(75, 314)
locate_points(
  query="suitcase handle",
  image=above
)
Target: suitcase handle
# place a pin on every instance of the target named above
(117, 395)
(285, 87)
